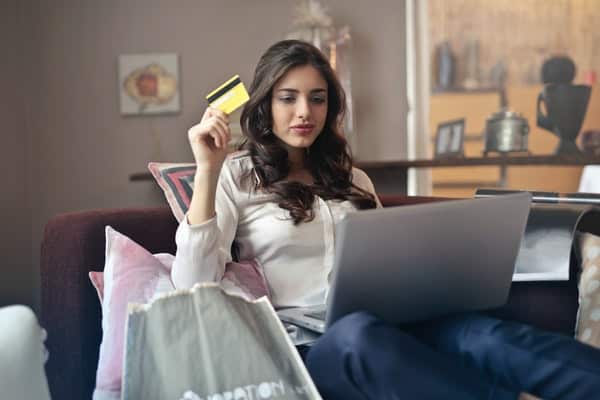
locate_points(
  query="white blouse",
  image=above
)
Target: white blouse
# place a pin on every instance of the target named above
(296, 259)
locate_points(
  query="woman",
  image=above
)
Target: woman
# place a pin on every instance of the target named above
(276, 202)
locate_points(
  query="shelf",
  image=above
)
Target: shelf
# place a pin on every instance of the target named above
(461, 90)
(390, 176)
(550, 160)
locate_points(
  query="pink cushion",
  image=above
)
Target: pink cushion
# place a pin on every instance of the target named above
(97, 279)
(246, 279)
(131, 275)
(134, 275)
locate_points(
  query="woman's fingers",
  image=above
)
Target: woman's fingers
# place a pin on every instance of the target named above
(217, 120)
(219, 114)
(223, 128)
(214, 127)
(207, 113)
(216, 137)
(217, 132)
(211, 136)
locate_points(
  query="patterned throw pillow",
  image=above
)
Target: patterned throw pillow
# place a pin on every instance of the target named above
(588, 319)
(177, 182)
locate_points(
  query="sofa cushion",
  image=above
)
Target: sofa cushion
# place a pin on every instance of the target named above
(588, 319)
(131, 275)
(176, 180)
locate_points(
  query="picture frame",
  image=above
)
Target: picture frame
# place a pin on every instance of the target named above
(449, 140)
(149, 83)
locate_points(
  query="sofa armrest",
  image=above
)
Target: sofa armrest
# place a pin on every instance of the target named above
(74, 244)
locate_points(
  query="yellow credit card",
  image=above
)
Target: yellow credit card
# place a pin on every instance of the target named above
(229, 96)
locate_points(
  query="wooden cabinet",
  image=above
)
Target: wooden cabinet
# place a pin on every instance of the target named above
(476, 107)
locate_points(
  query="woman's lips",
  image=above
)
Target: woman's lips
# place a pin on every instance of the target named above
(303, 129)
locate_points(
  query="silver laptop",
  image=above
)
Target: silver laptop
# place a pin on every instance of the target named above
(412, 263)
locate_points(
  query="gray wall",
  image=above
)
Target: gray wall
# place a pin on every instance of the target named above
(64, 123)
(15, 268)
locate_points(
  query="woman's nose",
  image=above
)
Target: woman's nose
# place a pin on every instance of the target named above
(303, 109)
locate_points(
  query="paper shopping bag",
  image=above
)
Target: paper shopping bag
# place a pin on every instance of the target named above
(203, 344)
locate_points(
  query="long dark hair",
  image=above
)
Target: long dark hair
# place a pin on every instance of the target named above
(328, 158)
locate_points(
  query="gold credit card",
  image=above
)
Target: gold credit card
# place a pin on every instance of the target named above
(229, 96)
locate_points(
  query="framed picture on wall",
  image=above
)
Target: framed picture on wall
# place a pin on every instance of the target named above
(149, 83)
(449, 139)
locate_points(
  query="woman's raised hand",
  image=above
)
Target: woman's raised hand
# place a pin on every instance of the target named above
(209, 140)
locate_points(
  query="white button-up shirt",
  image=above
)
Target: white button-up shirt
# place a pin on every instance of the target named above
(296, 260)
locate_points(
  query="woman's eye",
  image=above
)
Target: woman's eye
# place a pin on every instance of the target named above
(318, 100)
(287, 99)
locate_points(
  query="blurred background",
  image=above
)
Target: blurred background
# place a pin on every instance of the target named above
(68, 145)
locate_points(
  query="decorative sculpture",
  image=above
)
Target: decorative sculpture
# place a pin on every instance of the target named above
(565, 103)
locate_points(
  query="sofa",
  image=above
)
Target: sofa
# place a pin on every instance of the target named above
(73, 244)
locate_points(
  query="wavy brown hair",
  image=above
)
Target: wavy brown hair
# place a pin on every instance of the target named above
(328, 159)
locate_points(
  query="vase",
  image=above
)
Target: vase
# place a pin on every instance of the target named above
(446, 66)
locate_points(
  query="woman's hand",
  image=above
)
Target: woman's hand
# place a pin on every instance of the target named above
(209, 140)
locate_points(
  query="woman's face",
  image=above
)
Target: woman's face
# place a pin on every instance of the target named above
(299, 107)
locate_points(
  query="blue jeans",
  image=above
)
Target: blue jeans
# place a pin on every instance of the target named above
(468, 356)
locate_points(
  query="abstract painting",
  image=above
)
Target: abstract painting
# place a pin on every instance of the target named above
(149, 83)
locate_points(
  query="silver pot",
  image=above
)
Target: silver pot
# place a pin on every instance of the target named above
(505, 132)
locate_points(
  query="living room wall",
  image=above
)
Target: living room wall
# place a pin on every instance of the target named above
(78, 149)
(16, 281)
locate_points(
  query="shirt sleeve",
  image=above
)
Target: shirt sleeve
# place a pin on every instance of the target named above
(362, 180)
(204, 249)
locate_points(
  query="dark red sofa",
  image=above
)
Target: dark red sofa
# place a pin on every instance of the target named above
(73, 245)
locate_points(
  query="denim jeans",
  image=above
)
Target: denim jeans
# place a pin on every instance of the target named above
(467, 356)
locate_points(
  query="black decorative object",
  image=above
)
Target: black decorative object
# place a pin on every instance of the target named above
(558, 69)
(565, 105)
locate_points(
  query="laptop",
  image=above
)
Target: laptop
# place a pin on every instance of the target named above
(412, 263)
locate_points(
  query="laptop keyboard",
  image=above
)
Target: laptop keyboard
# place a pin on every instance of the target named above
(317, 314)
